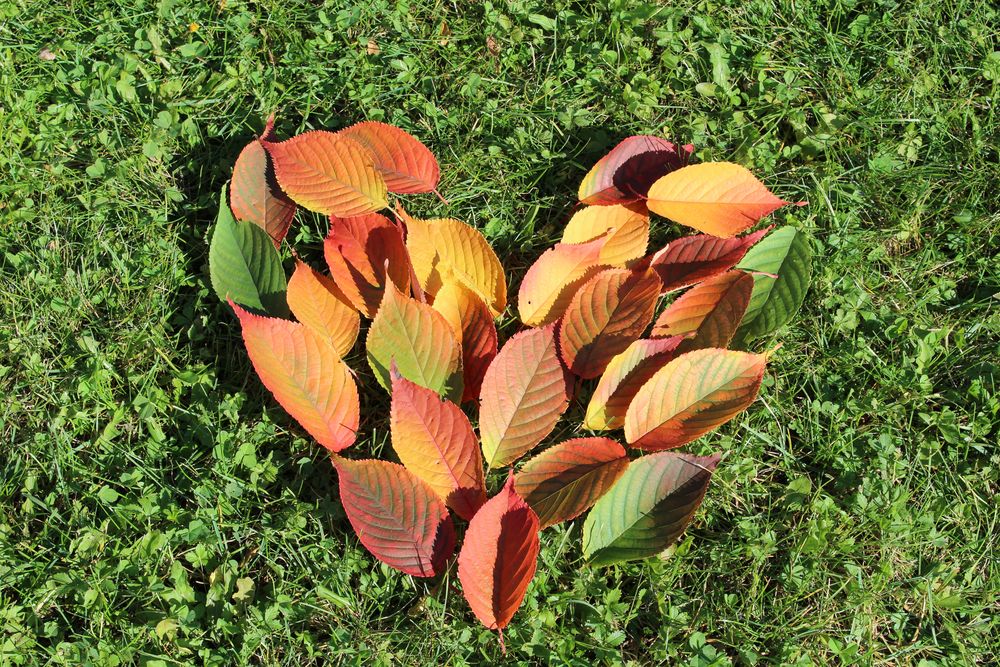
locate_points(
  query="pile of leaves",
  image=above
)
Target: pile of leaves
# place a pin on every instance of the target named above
(433, 290)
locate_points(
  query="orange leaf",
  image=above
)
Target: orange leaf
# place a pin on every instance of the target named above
(627, 229)
(709, 313)
(446, 250)
(396, 515)
(328, 174)
(566, 479)
(625, 173)
(550, 283)
(694, 258)
(475, 330)
(420, 342)
(692, 395)
(623, 377)
(255, 196)
(498, 557)
(406, 164)
(607, 313)
(357, 250)
(718, 198)
(434, 440)
(524, 394)
(316, 302)
(306, 376)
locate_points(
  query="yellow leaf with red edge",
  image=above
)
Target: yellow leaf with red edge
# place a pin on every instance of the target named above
(553, 279)
(306, 376)
(626, 227)
(328, 174)
(718, 198)
(470, 319)
(607, 313)
(318, 303)
(692, 395)
(357, 251)
(709, 313)
(445, 250)
(404, 162)
(434, 440)
(419, 341)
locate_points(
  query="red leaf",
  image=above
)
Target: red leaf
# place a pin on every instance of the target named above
(396, 515)
(694, 258)
(434, 440)
(498, 558)
(626, 173)
(357, 250)
(406, 164)
(255, 196)
(709, 313)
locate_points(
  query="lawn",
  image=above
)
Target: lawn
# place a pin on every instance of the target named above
(157, 507)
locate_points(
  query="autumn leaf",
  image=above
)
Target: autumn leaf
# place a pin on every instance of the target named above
(524, 393)
(563, 481)
(648, 507)
(498, 557)
(396, 515)
(607, 313)
(406, 164)
(553, 279)
(419, 341)
(623, 377)
(470, 319)
(328, 174)
(708, 314)
(625, 173)
(306, 376)
(692, 395)
(434, 440)
(626, 227)
(717, 198)
(785, 254)
(357, 251)
(691, 259)
(254, 192)
(318, 303)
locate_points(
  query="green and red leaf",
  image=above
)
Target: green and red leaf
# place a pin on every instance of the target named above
(566, 479)
(328, 174)
(318, 303)
(306, 376)
(709, 313)
(524, 393)
(626, 172)
(396, 515)
(498, 557)
(693, 258)
(692, 395)
(473, 324)
(648, 507)
(626, 228)
(606, 315)
(623, 377)
(717, 198)
(435, 441)
(405, 163)
(553, 279)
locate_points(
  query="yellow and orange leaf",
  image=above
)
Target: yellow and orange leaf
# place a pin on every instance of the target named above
(692, 395)
(709, 313)
(553, 279)
(524, 394)
(434, 440)
(318, 303)
(626, 227)
(306, 376)
(470, 319)
(717, 198)
(607, 313)
(328, 174)
(405, 163)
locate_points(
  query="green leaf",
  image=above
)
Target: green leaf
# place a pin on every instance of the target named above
(784, 252)
(647, 508)
(244, 265)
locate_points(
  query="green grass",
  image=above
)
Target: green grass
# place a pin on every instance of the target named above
(156, 506)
